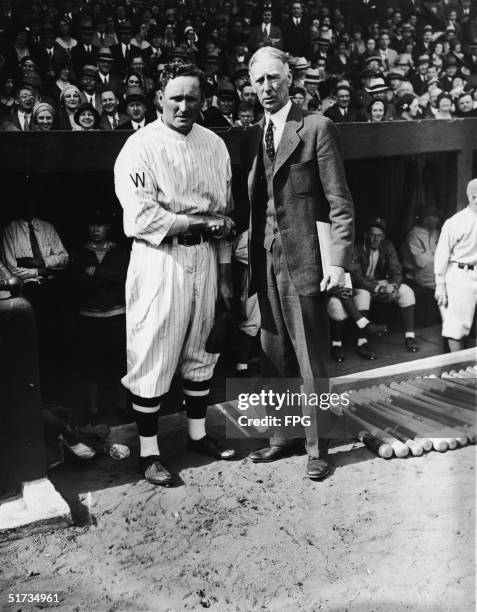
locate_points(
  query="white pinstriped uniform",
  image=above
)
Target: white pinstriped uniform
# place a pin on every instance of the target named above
(171, 290)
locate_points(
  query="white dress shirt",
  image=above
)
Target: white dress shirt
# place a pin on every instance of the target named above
(279, 120)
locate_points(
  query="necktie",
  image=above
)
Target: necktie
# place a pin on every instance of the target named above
(115, 123)
(101, 38)
(26, 122)
(269, 144)
(35, 247)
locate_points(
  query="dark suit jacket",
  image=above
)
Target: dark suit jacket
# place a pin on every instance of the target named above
(127, 125)
(335, 115)
(309, 184)
(105, 125)
(295, 37)
(120, 62)
(259, 39)
(48, 65)
(80, 57)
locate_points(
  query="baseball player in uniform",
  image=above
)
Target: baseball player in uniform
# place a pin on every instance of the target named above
(455, 267)
(173, 179)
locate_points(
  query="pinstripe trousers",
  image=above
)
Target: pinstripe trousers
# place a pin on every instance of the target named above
(171, 292)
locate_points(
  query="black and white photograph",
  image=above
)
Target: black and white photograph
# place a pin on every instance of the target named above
(238, 365)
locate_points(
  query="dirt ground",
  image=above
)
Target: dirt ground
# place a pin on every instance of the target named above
(377, 535)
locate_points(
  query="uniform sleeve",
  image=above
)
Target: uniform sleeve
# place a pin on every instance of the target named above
(333, 179)
(136, 189)
(421, 256)
(442, 254)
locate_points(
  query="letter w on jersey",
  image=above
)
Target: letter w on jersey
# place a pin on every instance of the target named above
(138, 178)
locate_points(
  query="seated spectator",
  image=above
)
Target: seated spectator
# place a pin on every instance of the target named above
(63, 77)
(376, 269)
(298, 96)
(136, 109)
(64, 38)
(86, 118)
(137, 67)
(376, 111)
(378, 90)
(7, 96)
(450, 71)
(430, 110)
(89, 87)
(342, 111)
(133, 79)
(339, 63)
(49, 55)
(20, 120)
(111, 118)
(28, 66)
(419, 80)
(33, 252)
(417, 253)
(245, 115)
(222, 115)
(98, 274)
(22, 48)
(140, 39)
(408, 108)
(465, 106)
(123, 49)
(315, 106)
(444, 106)
(70, 100)
(43, 117)
(107, 80)
(84, 53)
(265, 34)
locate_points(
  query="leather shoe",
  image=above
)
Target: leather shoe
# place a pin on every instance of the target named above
(270, 453)
(154, 471)
(337, 353)
(317, 469)
(365, 351)
(411, 345)
(375, 330)
(209, 446)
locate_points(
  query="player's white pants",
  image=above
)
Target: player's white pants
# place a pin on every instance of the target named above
(171, 293)
(461, 285)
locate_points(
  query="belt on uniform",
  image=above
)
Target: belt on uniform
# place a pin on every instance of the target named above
(464, 266)
(186, 239)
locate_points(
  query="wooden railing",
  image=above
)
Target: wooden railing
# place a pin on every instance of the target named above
(92, 152)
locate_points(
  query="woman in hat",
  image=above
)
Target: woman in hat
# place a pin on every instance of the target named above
(437, 55)
(376, 111)
(70, 100)
(445, 106)
(98, 274)
(64, 39)
(408, 107)
(86, 118)
(43, 117)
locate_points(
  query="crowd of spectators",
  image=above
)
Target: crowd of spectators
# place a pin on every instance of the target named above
(89, 65)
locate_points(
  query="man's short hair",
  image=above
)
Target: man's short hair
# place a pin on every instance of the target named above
(244, 85)
(272, 52)
(245, 107)
(172, 71)
(103, 91)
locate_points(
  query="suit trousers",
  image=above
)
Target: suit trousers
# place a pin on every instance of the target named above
(295, 343)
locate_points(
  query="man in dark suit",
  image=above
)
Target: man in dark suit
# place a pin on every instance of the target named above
(296, 177)
(295, 32)
(342, 111)
(111, 118)
(265, 34)
(48, 54)
(136, 109)
(84, 52)
(108, 81)
(123, 51)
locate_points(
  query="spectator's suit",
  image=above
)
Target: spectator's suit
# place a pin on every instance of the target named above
(308, 184)
(295, 37)
(258, 38)
(352, 114)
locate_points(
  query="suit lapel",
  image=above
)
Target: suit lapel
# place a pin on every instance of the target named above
(290, 138)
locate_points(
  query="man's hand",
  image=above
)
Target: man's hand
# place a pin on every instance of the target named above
(224, 229)
(441, 295)
(30, 262)
(225, 284)
(90, 270)
(203, 223)
(334, 279)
